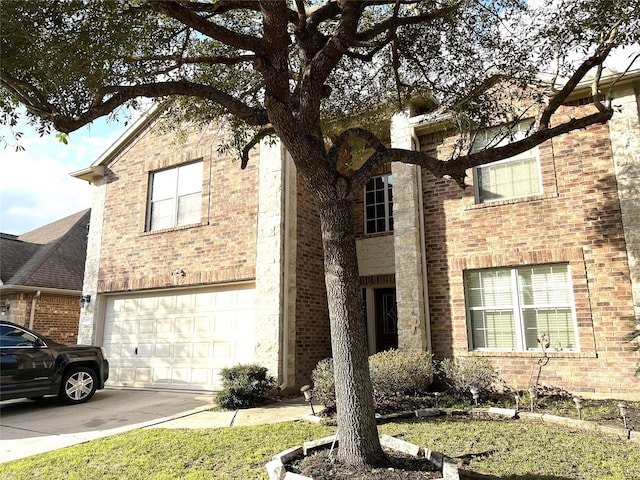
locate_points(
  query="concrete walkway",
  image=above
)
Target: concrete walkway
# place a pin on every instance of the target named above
(199, 417)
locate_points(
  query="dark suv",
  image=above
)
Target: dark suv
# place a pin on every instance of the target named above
(32, 366)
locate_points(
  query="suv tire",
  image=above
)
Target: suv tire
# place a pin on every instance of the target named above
(78, 385)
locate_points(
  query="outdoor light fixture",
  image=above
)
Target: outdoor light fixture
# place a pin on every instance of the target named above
(437, 395)
(84, 299)
(308, 396)
(623, 413)
(578, 402)
(517, 397)
(4, 308)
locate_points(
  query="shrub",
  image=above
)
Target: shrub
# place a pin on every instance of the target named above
(244, 386)
(395, 374)
(324, 384)
(398, 373)
(464, 373)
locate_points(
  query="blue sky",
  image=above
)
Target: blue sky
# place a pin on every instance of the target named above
(35, 186)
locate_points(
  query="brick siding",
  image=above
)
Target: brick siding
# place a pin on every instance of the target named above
(221, 248)
(313, 338)
(576, 220)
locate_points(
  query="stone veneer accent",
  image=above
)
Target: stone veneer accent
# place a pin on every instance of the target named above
(625, 145)
(275, 271)
(413, 325)
(89, 315)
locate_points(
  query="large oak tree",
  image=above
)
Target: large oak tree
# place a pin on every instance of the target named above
(320, 75)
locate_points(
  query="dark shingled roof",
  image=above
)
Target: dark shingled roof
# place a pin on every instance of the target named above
(52, 256)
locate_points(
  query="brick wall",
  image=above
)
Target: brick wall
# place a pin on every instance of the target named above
(576, 220)
(313, 339)
(219, 249)
(57, 317)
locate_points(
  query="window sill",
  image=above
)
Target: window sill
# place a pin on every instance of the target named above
(174, 229)
(534, 354)
(378, 234)
(511, 201)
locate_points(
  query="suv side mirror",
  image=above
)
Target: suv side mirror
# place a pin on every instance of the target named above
(39, 343)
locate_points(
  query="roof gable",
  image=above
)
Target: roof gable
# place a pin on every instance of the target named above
(52, 256)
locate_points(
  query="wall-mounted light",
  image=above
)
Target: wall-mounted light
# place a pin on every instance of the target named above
(84, 299)
(4, 308)
(178, 271)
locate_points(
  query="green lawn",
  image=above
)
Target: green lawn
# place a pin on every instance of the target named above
(511, 450)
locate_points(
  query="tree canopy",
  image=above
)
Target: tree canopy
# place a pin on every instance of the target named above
(321, 75)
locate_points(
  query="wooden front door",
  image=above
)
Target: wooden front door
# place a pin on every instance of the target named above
(386, 319)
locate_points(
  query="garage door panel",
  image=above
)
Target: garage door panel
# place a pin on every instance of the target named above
(182, 340)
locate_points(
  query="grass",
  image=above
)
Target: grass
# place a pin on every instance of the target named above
(507, 449)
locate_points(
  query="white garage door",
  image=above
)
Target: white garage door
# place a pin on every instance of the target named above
(178, 339)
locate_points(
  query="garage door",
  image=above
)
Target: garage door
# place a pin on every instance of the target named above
(178, 339)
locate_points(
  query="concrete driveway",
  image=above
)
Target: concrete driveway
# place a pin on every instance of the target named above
(28, 428)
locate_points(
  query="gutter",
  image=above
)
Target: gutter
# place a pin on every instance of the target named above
(32, 313)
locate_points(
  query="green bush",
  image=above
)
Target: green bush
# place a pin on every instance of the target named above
(395, 375)
(244, 386)
(464, 373)
(324, 390)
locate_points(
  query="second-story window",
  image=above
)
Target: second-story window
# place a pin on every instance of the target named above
(378, 204)
(517, 176)
(175, 198)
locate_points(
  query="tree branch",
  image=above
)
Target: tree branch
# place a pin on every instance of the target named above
(265, 132)
(559, 98)
(186, 16)
(117, 96)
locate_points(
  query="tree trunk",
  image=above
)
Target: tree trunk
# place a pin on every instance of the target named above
(359, 444)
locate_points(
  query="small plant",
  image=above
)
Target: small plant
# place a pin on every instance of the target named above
(396, 374)
(324, 389)
(469, 374)
(244, 386)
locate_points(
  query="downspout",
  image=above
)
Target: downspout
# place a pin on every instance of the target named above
(32, 313)
(423, 246)
(285, 274)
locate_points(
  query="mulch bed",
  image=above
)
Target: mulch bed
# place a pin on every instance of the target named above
(320, 466)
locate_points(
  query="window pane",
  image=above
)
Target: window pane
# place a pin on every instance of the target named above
(378, 205)
(164, 184)
(556, 322)
(189, 207)
(162, 214)
(489, 288)
(493, 329)
(544, 285)
(175, 196)
(190, 178)
(516, 178)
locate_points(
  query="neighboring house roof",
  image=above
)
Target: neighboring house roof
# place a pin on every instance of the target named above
(49, 257)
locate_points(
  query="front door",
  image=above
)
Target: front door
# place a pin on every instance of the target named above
(386, 319)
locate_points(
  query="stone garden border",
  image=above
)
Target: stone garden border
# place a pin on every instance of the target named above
(276, 468)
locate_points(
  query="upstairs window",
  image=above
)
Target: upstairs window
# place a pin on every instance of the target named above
(512, 308)
(378, 204)
(517, 176)
(175, 198)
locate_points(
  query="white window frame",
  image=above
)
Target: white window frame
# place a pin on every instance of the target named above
(499, 136)
(176, 197)
(387, 180)
(517, 308)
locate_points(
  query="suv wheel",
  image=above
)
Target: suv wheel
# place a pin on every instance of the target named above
(78, 385)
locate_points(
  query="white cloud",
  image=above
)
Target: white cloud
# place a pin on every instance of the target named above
(36, 188)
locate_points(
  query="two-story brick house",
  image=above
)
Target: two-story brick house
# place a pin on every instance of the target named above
(195, 264)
